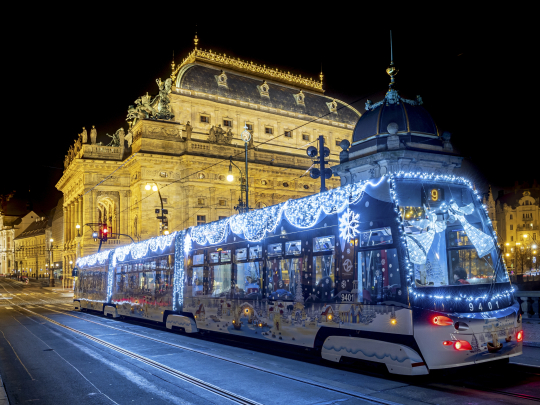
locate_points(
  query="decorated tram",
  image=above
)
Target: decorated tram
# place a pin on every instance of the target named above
(403, 270)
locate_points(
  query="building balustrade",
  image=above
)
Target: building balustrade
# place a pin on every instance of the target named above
(528, 301)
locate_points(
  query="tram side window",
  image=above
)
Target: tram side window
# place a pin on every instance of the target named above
(147, 282)
(324, 276)
(378, 276)
(248, 280)
(197, 286)
(283, 277)
(220, 280)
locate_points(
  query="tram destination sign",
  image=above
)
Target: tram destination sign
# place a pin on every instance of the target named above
(432, 195)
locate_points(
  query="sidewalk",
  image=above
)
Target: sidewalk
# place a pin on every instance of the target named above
(531, 332)
(3, 395)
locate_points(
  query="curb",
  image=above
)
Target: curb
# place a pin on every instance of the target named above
(3, 395)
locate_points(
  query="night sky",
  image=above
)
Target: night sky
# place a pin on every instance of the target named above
(74, 72)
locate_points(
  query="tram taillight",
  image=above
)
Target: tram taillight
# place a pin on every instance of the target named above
(447, 343)
(462, 345)
(519, 336)
(442, 321)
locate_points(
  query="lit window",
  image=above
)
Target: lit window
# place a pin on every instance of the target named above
(227, 123)
(201, 219)
(205, 119)
(268, 130)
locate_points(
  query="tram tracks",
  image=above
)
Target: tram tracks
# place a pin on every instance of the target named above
(227, 394)
(193, 380)
(469, 385)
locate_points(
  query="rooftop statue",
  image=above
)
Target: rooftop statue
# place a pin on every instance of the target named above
(142, 110)
(164, 111)
(93, 135)
(229, 137)
(189, 128)
(212, 135)
(117, 138)
(84, 136)
(220, 134)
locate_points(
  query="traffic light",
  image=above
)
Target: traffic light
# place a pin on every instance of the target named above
(104, 234)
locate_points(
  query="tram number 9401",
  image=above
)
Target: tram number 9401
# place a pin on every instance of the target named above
(486, 307)
(348, 297)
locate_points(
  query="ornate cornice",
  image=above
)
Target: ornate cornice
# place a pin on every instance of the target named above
(199, 55)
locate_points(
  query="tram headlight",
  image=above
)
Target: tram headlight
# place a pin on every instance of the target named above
(462, 345)
(519, 336)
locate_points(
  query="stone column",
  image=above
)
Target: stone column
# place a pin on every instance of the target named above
(81, 212)
(65, 224)
(68, 223)
(76, 217)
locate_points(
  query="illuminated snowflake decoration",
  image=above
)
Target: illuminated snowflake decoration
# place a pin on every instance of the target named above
(348, 225)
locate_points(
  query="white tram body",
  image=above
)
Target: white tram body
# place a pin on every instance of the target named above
(403, 271)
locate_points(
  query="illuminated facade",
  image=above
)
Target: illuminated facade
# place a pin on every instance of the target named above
(31, 249)
(516, 216)
(185, 151)
(10, 227)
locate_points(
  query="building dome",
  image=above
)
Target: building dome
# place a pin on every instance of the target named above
(394, 115)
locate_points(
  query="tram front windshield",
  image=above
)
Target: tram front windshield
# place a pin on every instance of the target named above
(449, 238)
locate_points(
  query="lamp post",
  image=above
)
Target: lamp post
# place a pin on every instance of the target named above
(246, 137)
(51, 272)
(230, 177)
(164, 222)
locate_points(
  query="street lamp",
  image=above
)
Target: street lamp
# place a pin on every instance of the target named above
(78, 227)
(51, 272)
(164, 223)
(246, 137)
(240, 207)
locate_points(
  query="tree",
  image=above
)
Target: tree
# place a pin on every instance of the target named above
(523, 257)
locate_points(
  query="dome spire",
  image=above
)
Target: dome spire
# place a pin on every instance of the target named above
(391, 70)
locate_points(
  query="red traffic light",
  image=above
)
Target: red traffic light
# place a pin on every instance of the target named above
(104, 230)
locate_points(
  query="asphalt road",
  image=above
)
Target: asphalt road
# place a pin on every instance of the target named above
(52, 355)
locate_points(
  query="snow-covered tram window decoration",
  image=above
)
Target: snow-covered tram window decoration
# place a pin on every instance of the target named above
(417, 246)
(302, 213)
(182, 247)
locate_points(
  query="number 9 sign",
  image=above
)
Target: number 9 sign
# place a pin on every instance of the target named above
(435, 194)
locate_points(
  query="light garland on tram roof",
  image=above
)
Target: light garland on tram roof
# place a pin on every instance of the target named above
(140, 250)
(403, 237)
(302, 213)
(89, 261)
